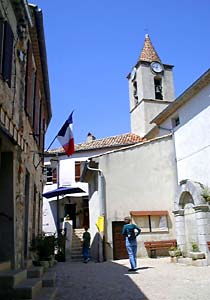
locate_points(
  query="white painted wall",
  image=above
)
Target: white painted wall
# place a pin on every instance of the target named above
(192, 138)
(66, 178)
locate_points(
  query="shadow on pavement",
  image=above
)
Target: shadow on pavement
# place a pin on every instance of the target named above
(96, 281)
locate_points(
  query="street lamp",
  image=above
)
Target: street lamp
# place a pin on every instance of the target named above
(55, 164)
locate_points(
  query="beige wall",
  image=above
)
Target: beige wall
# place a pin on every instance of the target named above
(141, 177)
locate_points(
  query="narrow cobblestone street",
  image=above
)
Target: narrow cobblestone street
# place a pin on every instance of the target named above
(156, 279)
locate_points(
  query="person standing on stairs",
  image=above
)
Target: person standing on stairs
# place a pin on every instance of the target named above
(86, 245)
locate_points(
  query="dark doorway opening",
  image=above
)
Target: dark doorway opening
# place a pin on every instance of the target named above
(6, 207)
(70, 209)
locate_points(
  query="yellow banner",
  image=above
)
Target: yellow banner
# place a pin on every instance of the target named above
(100, 223)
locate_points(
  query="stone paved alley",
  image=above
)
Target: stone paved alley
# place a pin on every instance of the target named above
(156, 279)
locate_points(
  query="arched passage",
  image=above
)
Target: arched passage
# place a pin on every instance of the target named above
(191, 217)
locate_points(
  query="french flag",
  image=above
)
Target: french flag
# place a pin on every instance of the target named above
(65, 136)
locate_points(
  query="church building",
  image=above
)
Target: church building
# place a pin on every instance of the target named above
(162, 183)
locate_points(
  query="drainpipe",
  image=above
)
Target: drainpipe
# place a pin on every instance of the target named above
(101, 188)
(27, 12)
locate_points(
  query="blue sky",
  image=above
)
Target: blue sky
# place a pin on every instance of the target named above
(93, 44)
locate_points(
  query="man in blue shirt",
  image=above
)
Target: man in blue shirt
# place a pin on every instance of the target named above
(131, 231)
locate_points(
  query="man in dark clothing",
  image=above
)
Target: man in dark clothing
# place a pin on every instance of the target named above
(86, 245)
(131, 231)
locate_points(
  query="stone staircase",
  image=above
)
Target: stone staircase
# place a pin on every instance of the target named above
(76, 249)
(31, 283)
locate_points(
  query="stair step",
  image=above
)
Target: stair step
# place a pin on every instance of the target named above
(76, 252)
(45, 264)
(76, 257)
(9, 279)
(5, 266)
(47, 293)
(35, 272)
(49, 279)
(28, 263)
(28, 288)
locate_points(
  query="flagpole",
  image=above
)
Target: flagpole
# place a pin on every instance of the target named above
(46, 150)
(51, 143)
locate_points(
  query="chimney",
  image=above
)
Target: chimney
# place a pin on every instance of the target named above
(90, 137)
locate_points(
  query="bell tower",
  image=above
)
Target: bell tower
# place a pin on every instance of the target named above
(151, 88)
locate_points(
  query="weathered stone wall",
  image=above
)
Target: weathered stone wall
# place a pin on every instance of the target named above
(17, 128)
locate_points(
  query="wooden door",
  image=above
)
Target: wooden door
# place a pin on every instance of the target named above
(119, 249)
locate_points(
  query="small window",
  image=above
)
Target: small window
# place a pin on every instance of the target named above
(135, 91)
(158, 88)
(77, 170)
(6, 51)
(51, 175)
(175, 121)
(151, 221)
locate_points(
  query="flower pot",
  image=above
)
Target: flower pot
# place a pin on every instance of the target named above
(197, 255)
(172, 253)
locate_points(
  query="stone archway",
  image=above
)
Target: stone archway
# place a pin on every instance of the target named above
(191, 217)
(190, 227)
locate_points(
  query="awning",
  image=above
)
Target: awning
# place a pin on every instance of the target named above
(63, 190)
(137, 213)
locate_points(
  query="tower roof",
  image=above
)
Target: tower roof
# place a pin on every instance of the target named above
(148, 52)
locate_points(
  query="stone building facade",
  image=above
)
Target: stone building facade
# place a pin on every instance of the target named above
(25, 112)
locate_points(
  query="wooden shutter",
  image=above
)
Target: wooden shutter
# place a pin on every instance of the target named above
(54, 175)
(8, 54)
(28, 80)
(77, 170)
(36, 109)
(1, 44)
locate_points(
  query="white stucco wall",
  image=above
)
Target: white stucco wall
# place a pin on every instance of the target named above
(192, 138)
(140, 178)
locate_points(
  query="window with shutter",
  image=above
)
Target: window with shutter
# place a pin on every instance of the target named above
(7, 54)
(36, 122)
(51, 175)
(1, 44)
(77, 170)
(28, 84)
(32, 97)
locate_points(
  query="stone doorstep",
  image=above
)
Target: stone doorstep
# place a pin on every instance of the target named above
(28, 288)
(190, 262)
(9, 279)
(5, 266)
(49, 279)
(45, 264)
(76, 258)
(35, 272)
(28, 263)
(47, 293)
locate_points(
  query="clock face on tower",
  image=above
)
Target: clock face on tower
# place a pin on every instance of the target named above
(156, 67)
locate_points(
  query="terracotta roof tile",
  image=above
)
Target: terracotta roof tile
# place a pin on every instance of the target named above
(109, 142)
(148, 52)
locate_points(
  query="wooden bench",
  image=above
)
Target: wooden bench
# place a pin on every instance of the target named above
(158, 245)
(208, 243)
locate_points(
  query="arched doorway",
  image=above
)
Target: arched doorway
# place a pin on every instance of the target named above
(191, 217)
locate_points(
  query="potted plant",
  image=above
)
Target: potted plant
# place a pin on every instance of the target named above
(196, 253)
(174, 251)
(206, 193)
